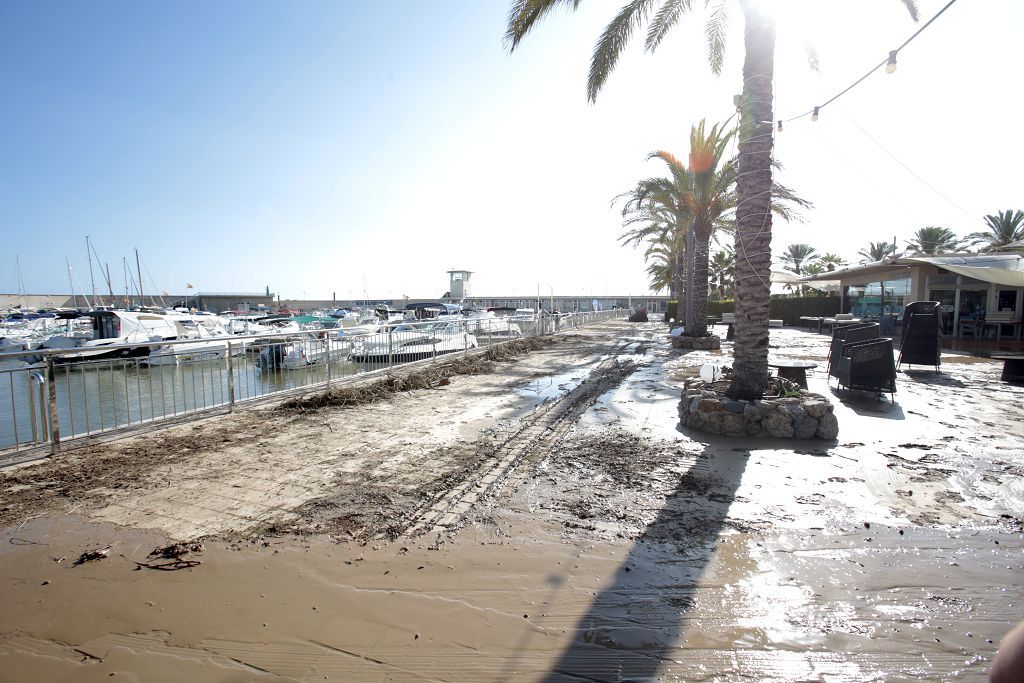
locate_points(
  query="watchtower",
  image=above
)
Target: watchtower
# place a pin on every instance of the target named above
(458, 288)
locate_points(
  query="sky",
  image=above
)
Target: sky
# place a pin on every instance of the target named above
(321, 148)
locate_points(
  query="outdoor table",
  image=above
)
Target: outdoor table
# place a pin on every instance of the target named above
(1013, 368)
(795, 370)
(810, 320)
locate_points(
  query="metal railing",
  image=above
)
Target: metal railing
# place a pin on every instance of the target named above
(83, 391)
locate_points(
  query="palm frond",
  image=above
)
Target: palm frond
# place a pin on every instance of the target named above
(612, 42)
(523, 15)
(664, 19)
(714, 31)
(911, 6)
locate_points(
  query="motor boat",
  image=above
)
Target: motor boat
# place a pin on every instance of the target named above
(411, 341)
(110, 328)
(209, 344)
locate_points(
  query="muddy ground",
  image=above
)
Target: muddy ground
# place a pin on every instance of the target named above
(545, 521)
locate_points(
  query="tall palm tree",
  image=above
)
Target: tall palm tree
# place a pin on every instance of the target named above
(877, 251)
(934, 240)
(796, 255)
(721, 269)
(753, 215)
(700, 197)
(1003, 228)
(832, 261)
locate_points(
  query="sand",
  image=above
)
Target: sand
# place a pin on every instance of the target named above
(547, 521)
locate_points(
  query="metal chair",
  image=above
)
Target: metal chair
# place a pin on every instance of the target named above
(868, 366)
(919, 339)
(849, 334)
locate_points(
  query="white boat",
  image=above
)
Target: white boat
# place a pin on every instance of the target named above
(410, 342)
(114, 327)
(485, 322)
(208, 345)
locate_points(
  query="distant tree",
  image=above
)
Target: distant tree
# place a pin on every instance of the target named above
(796, 255)
(877, 251)
(722, 269)
(661, 262)
(832, 261)
(1003, 228)
(934, 239)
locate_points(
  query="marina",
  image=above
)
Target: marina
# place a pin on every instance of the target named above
(70, 386)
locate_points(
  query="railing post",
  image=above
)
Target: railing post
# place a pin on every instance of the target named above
(231, 379)
(51, 381)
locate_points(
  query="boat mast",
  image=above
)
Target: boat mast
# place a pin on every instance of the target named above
(74, 296)
(138, 267)
(92, 280)
(110, 286)
(124, 268)
(21, 282)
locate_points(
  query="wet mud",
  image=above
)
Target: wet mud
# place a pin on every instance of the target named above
(549, 521)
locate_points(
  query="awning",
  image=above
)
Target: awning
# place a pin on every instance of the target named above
(788, 277)
(1000, 269)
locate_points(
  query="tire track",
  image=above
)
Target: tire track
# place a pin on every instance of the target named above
(537, 435)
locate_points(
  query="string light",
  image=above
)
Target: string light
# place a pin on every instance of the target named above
(890, 65)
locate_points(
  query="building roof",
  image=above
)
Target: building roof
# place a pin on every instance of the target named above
(1000, 269)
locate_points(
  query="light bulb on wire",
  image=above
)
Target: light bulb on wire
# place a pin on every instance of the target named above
(890, 65)
(814, 116)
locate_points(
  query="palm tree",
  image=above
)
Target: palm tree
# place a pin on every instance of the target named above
(661, 264)
(934, 240)
(654, 215)
(877, 251)
(753, 214)
(1003, 228)
(722, 272)
(796, 255)
(832, 261)
(701, 198)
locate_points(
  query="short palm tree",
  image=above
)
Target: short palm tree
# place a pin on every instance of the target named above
(721, 269)
(1003, 228)
(796, 255)
(876, 251)
(832, 261)
(661, 265)
(653, 215)
(934, 240)
(754, 186)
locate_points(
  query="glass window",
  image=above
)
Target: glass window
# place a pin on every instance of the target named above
(947, 304)
(1007, 301)
(972, 304)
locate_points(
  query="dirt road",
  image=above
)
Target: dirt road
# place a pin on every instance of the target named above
(543, 522)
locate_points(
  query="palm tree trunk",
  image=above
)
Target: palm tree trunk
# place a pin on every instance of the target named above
(753, 215)
(701, 249)
(677, 280)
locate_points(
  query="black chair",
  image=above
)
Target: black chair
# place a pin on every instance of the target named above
(868, 366)
(919, 341)
(849, 334)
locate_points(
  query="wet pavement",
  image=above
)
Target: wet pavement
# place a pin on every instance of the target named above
(590, 539)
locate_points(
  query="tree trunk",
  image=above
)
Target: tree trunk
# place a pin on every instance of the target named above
(677, 280)
(701, 256)
(753, 216)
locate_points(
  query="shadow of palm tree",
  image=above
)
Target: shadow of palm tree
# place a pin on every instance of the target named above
(632, 626)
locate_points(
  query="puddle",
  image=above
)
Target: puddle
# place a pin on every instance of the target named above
(553, 386)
